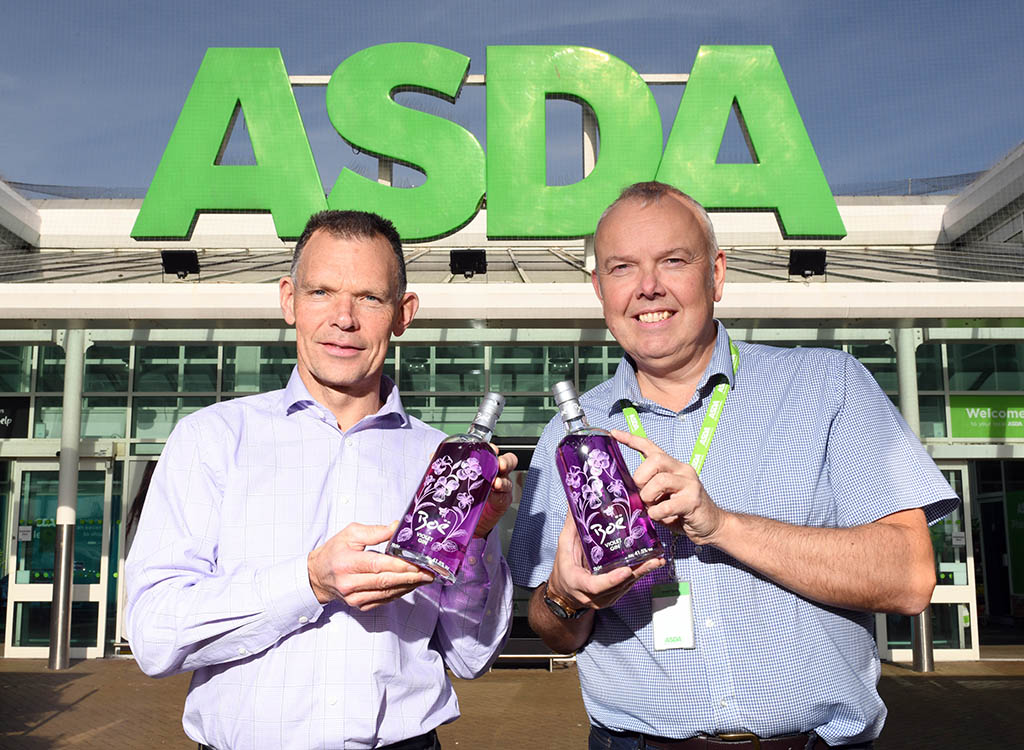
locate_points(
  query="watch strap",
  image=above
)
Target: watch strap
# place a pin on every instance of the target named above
(561, 608)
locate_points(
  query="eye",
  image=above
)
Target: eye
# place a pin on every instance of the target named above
(619, 269)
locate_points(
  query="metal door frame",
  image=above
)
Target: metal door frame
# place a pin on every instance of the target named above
(43, 592)
(965, 595)
(130, 483)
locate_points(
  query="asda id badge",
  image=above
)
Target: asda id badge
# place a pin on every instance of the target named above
(672, 616)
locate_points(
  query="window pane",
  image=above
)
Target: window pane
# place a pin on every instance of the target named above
(933, 416)
(530, 368)
(597, 364)
(38, 510)
(450, 414)
(880, 359)
(949, 539)
(255, 369)
(147, 449)
(15, 368)
(990, 477)
(176, 368)
(526, 416)
(523, 416)
(102, 416)
(951, 627)
(32, 623)
(51, 369)
(429, 369)
(986, 367)
(929, 367)
(106, 369)
(153, 418)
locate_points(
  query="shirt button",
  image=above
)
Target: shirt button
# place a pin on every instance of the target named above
(333, 701)
(471, 560)
(242, 651)
(723, 703)
(709, 623)
(303, 620)
(490, 558)
(349, 442)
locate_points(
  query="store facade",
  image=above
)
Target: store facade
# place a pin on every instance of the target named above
(927, 291)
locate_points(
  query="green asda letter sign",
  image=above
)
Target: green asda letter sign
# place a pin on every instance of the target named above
(785, 177)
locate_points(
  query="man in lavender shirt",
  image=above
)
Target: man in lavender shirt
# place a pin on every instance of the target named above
(257, 562)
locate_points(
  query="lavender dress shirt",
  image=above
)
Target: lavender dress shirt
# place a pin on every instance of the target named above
(217, 580)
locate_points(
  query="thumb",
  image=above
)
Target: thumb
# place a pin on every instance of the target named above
(363, 535)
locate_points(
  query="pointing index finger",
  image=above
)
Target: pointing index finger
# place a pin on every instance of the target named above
(643, 445)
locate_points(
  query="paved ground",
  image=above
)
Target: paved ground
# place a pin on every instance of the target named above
(110, 704)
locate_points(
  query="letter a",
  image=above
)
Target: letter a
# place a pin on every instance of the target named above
(284, 180)
(786, 176)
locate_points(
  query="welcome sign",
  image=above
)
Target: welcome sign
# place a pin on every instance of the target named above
(785, 176)
(986, 417)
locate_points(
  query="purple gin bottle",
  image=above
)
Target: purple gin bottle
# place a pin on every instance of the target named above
(610, 517)
(440, 521)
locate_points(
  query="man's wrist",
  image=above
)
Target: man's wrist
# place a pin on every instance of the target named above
(723, 530)
(561, 606)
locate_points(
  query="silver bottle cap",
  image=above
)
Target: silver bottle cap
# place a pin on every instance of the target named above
(490, 409)
(567, 400)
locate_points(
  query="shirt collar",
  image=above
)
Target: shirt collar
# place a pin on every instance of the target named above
(625, 388)
(296, 397)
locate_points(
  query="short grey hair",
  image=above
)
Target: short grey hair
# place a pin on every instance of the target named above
(353, 224)
(646, 193)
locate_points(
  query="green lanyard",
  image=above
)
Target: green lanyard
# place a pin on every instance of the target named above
(711, 419)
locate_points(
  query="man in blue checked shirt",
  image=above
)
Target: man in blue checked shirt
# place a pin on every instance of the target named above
(256, 563)
(809, 514)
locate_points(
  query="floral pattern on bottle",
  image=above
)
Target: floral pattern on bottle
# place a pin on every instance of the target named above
(609, 514)
(432, 512)
(600, 499)
(440, 520)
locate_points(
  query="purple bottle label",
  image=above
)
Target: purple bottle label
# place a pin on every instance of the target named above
(610, 517)
(439, 522)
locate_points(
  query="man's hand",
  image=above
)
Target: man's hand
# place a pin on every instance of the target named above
(673, 493)
(571, 580)
(500, 497)
(342, 568)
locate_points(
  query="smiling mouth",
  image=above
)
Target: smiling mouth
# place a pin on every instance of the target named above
(654, 317)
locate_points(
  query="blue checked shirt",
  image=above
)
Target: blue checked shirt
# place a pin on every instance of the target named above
(217, 580)
(807, 438)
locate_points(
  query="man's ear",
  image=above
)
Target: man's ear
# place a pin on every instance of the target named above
(596, 281)
(286, 289)
(407, 308)
(718, 278)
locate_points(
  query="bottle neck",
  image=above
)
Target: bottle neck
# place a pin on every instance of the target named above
(576, 423)
(481, 432)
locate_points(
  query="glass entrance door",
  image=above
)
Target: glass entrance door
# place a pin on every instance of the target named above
(954, 604)
(32, 522)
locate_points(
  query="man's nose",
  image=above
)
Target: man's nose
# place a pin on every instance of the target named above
(343, 312)
(650, 282)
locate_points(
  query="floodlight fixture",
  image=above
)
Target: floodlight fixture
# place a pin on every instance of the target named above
(180, 262)
(467, 262)
(806, 262)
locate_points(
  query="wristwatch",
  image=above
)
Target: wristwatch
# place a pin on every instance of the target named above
(560, 608)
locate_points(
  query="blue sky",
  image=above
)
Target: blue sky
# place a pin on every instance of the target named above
(89, 92)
